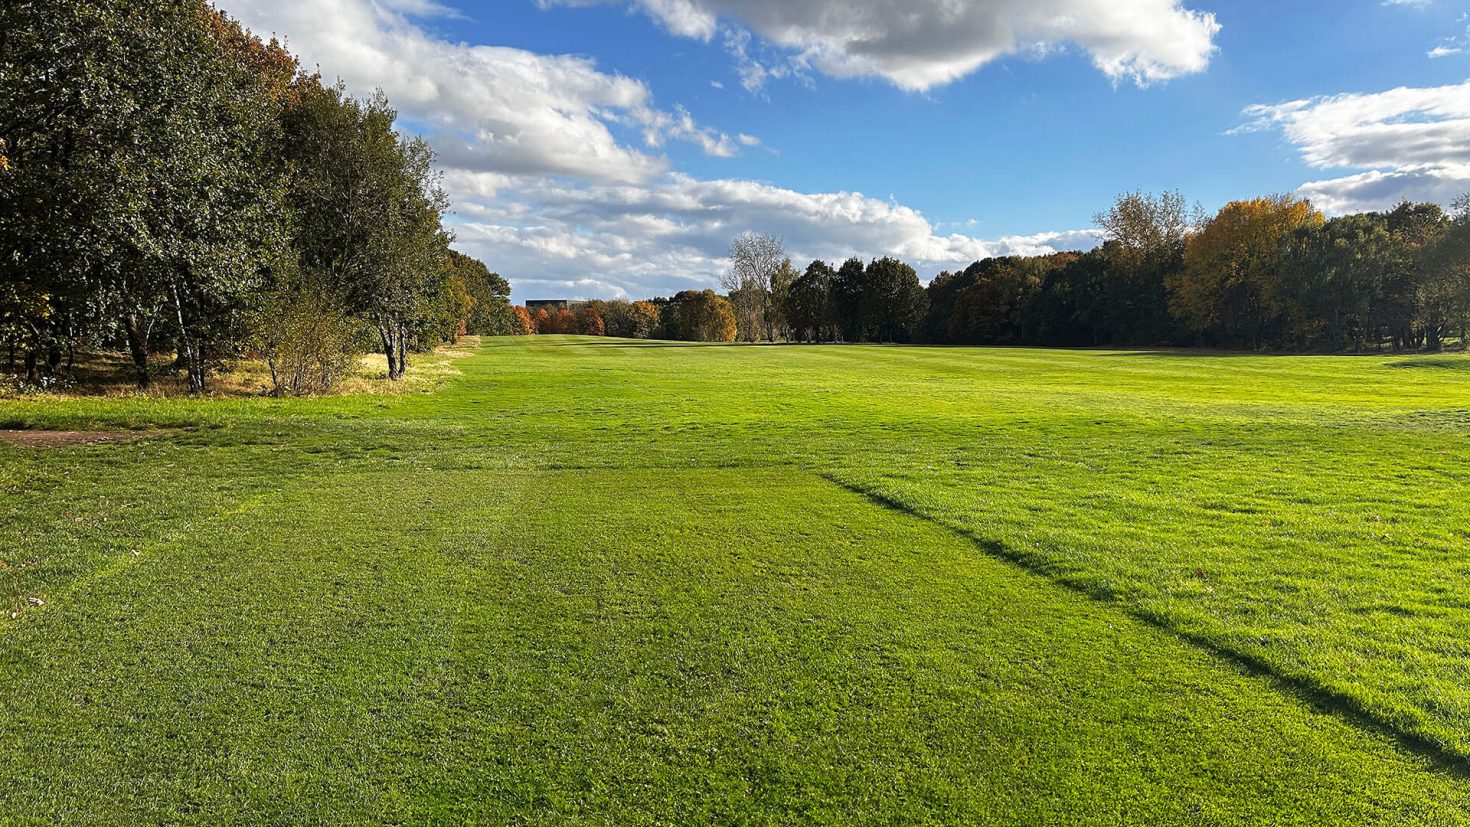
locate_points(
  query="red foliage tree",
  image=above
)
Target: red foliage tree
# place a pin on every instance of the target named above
(520, 322)
(590, 322)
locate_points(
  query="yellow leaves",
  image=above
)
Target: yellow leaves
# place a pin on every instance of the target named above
(1240, 247)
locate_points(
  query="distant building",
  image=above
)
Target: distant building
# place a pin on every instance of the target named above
(553, 305)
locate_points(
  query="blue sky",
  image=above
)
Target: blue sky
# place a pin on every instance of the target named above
(613, 148)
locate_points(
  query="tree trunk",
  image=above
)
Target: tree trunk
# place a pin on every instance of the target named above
(388, 334)
(189, 350)
(138, 348)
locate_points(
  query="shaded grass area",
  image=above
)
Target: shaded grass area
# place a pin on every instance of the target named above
(573, 647)
(1305, 517)
(110, 374)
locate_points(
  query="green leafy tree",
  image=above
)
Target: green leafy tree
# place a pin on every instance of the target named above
(848, 287)
(1330, 282)
(142, 184)
(369, 209)
(487, 312)
(811, 304)
(882, 302)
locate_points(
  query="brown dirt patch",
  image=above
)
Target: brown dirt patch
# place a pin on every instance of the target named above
(37, 438)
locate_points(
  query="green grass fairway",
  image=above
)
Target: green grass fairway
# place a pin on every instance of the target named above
(596, 581)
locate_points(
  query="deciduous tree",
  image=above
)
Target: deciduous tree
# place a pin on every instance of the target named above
(1224, 290)
(755, 262)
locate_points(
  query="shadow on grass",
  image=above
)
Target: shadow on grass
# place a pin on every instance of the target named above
(1459, 363)
(1197, 353)
(1316, 696)
(1451, 361)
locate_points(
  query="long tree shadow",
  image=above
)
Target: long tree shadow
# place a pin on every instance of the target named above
(1311, 693)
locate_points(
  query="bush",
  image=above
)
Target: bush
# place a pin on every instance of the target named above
(309, 343)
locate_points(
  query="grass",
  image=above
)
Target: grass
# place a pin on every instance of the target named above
(594, 580)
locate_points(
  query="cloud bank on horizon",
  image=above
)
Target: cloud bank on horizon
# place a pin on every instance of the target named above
(559, 169)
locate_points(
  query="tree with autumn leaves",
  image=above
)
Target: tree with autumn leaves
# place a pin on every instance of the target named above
(1226, 292)
(1263, 273)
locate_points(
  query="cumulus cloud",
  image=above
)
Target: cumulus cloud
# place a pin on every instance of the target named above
(920, 44)
(673, 234)
(1405, 143)
(489, 110)
(538, 155)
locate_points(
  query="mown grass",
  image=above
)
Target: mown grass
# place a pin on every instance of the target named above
(592, 580)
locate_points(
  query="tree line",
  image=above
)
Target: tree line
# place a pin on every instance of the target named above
(1266, 273)
(171, 183)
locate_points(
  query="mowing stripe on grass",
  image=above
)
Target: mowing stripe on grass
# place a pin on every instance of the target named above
(642, 646)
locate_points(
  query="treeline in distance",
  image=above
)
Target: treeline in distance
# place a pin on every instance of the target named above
(1268, 273)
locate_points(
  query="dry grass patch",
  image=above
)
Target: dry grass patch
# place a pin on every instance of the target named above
(110, 375)
(35, 438)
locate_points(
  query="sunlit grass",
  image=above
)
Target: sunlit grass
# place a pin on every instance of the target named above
(592, 580)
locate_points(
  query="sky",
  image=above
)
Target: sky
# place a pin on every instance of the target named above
(614, 148)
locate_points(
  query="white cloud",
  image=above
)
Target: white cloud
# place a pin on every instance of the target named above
(1405, 143)
(1381, 189)
(920, 44)
(488, 109)
(1450, 46)
(673, 233)
(548, 193)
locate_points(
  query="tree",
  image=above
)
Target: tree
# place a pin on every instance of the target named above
(628, 320)
(1330, 280)
(520, 322)
(369, 209)
(990, 309)
(142, 183)
(1230, 267)
(755, 261)
(703, 316)
(308, 342)
(1067, 308)
(1144, 228)
(848, 287)
(882, 302)
(779, 295)
(645, 319)
(564, 322)
(988, 302)
(589, 322)
(544, 322)
(1414, 311)
(811, 304)
(487, 311)
(1144, 239)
